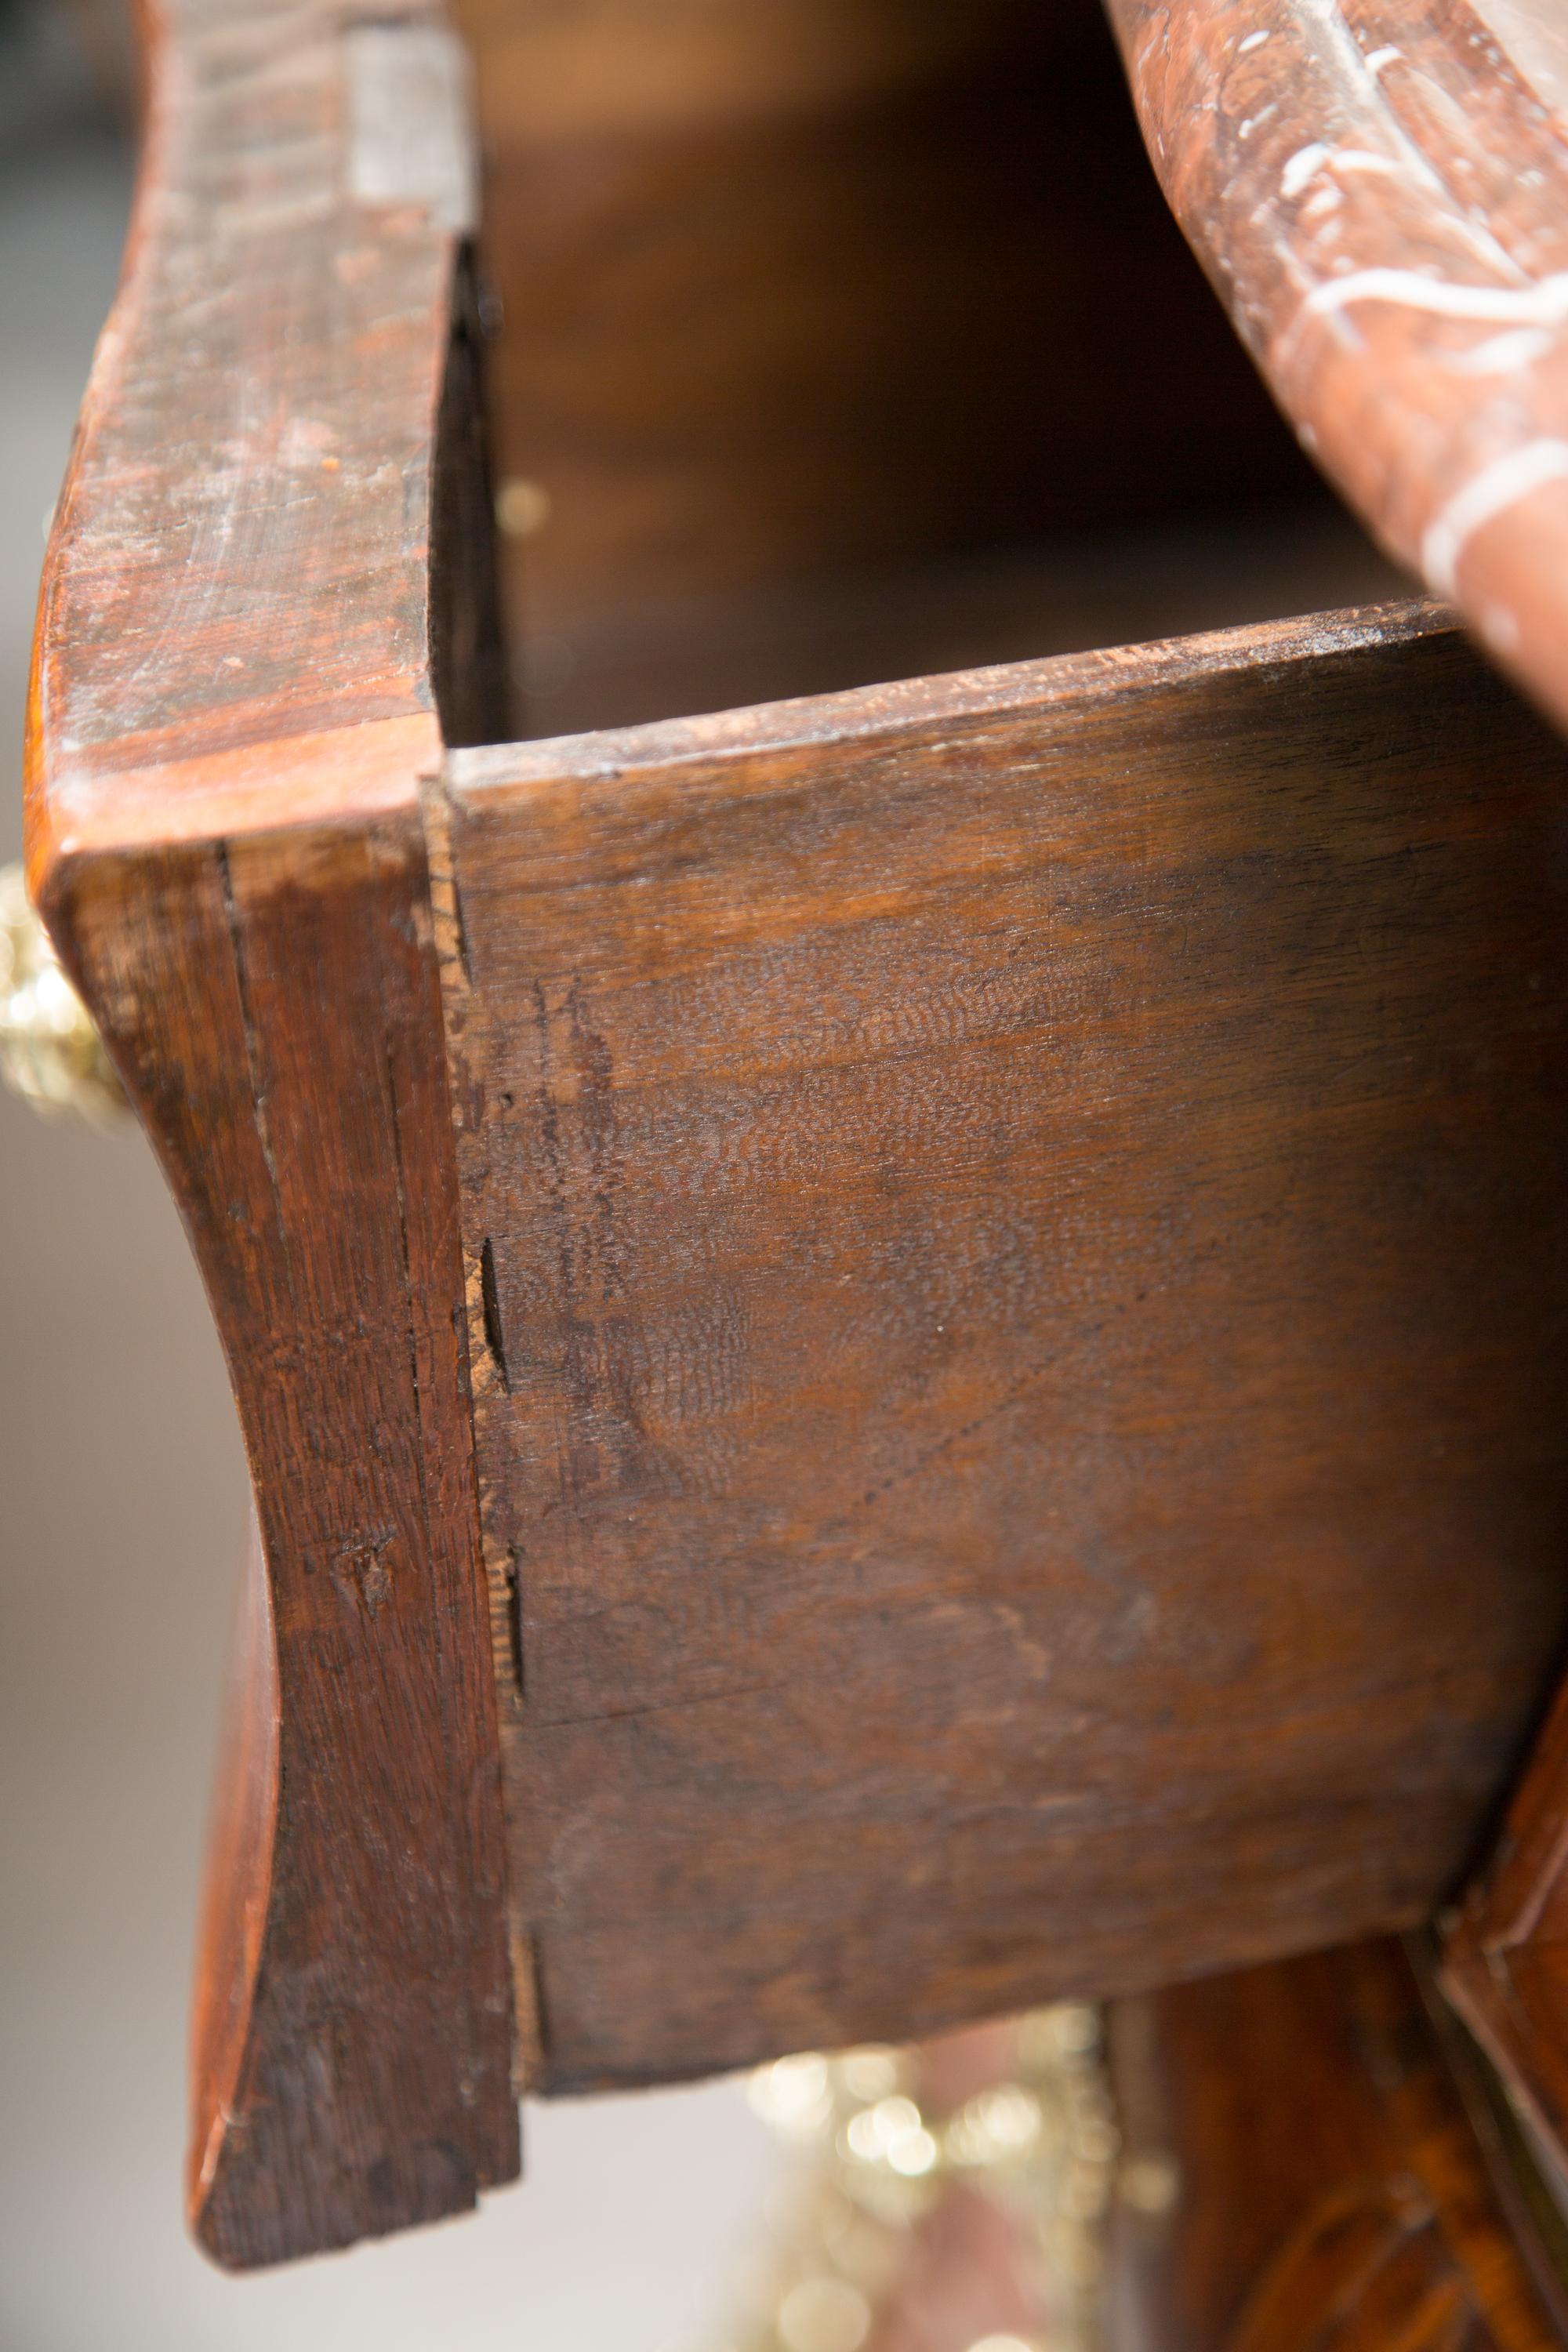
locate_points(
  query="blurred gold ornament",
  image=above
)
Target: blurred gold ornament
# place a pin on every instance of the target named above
(49, 1050)
(863, 2245)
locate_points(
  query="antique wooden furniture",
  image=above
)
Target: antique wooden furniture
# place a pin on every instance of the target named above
(1348, 2176)
(897, 1348)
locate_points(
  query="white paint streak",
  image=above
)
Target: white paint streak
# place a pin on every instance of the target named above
(1253, 41)
(1503, 354)
(1342, 62)
(1378, 58)
(1362, 159)
(1544, 304)
(1486, 494)
(1301, 168)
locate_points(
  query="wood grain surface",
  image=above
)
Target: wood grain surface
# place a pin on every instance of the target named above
(233, 706)
(1015, 1257)
(1380, 195)
(1305, 2163)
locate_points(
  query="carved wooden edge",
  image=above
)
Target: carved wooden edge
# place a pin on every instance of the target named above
(233, 709)
(1380, 196)
(1505, 1954)
(1304, 2161)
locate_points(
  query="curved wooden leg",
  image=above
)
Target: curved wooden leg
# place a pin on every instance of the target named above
(272, 1005)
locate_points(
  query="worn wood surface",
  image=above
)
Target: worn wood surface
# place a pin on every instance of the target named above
(1304, 2163)
(233, 706)
(1016, 1259)
(1380, 195)
(1172, 576)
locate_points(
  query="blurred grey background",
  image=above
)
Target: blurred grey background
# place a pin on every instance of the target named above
(121, 1515)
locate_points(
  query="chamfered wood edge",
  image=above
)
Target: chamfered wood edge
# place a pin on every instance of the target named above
(232, 707)
(1380, 197)
(1007, 691)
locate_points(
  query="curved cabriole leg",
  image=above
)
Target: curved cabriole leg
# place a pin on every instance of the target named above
(233, 706)
(271, 1003)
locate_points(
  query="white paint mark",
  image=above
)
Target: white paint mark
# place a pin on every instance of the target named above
(1544, 304)
(305, 441)
(1499, 629)
(1344, 59)
(1504, 354)
(1362, 159)
(1378, 58)
(1325, 200)
(1486, 494)
(1302, 165)
(1253, 41)
(409, 121)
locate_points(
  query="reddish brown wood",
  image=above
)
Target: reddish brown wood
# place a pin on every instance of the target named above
(1323, 2179)
(1381, 197)
(233, 709)
(1506, 1957)
(1016, 1263)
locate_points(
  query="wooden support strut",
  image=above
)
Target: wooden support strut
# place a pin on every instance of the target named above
(233, 709)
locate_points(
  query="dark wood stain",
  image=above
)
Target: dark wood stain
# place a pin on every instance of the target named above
(1027, 1232)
